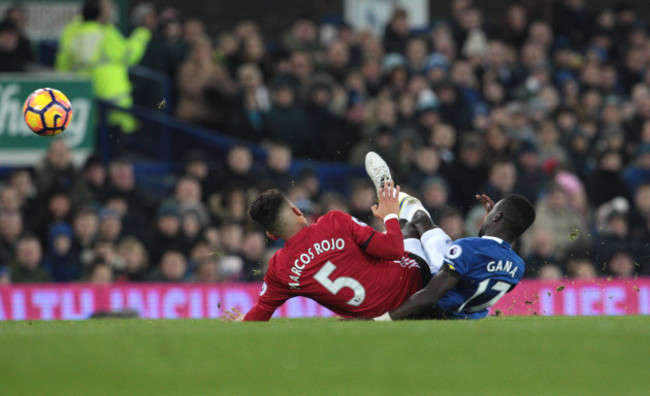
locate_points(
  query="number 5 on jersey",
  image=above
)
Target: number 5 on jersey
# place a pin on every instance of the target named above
(335, 285)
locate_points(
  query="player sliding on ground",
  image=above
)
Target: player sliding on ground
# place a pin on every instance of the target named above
(474, 282)
(339, 262)
(475, 272)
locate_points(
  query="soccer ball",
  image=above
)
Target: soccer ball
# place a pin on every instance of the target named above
(47, 112)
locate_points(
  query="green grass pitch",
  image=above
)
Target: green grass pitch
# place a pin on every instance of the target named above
(496, 356)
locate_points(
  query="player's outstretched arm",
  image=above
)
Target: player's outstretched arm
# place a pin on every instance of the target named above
(426, 298)
(389, 245)
(488, 205)
(387, 202)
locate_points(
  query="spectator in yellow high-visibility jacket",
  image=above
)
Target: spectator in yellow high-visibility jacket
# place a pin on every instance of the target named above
(91, 46)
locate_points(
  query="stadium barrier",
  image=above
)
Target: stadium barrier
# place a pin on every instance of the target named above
(76, 301)
(171, 301)
(573, 297)
(164, 140)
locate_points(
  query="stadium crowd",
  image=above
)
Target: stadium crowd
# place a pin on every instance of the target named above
(554, 106)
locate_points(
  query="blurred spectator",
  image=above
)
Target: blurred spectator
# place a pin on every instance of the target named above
(451, 221)
(230, 268)
(167, 232)
(11, 228)
(101, 274)
(516, 24)
(207, 271)
(23, 181)
(253, 249)
(197, 167)
(236, 169)
(10, 200)
(248, 119)
(231, 206)
(276, 170)
(397, 32)
(580, 267)
(5, 276)
(467, 175)
(110, 225)
(550, 272)
(427, 164)
(56, 209)
(253, 51)
(303, 36)
(17, 15)
(434, 195)
(94, 178)
(287, 122)
(61, 261)
(122, 183)
(640, 213)
(501, 181)
(85, 226)
(105, 63)
(167, 49)
(362, 198)
(606, 182)
(135, 258)
(172, 268)
(133, 222)
(14, 56)
(191, 228)
(542, 254)
(622, 265)
(187, 196)
(232, 237)
(57, 172)
(639, 172)
(205, 88)
(554, 214)
(26, 267)
(104, 251)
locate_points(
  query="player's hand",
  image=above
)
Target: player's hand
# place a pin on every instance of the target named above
(388, 201)
(232, 316)
(488, 205)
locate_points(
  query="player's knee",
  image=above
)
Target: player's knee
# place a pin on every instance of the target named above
(408, 230)
(422, 222)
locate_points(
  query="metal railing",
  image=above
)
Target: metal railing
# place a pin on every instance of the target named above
(165, 140)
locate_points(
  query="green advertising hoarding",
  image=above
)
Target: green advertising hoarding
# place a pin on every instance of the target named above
(18, 144)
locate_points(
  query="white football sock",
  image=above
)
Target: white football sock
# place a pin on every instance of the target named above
(435, 243)
(408, 206)
(414, 246)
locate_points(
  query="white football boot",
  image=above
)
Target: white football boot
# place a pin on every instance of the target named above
(377, 169)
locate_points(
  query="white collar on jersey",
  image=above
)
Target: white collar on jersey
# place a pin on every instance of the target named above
(498, 240)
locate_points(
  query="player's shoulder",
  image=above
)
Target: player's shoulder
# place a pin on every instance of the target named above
(461, 247)
(467, 244)
(336, 216)
(276, 259)
(468, 241)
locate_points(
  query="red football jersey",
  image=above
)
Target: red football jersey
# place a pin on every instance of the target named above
(342, 264)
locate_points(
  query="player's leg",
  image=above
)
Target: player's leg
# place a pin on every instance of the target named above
(433, 242)
(414, 249)
(377, 169)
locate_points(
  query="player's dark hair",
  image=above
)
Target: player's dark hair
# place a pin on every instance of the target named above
(91, 10)
(519, 214)
(265, 209)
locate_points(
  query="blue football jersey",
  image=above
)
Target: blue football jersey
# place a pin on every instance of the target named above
(488, 269)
